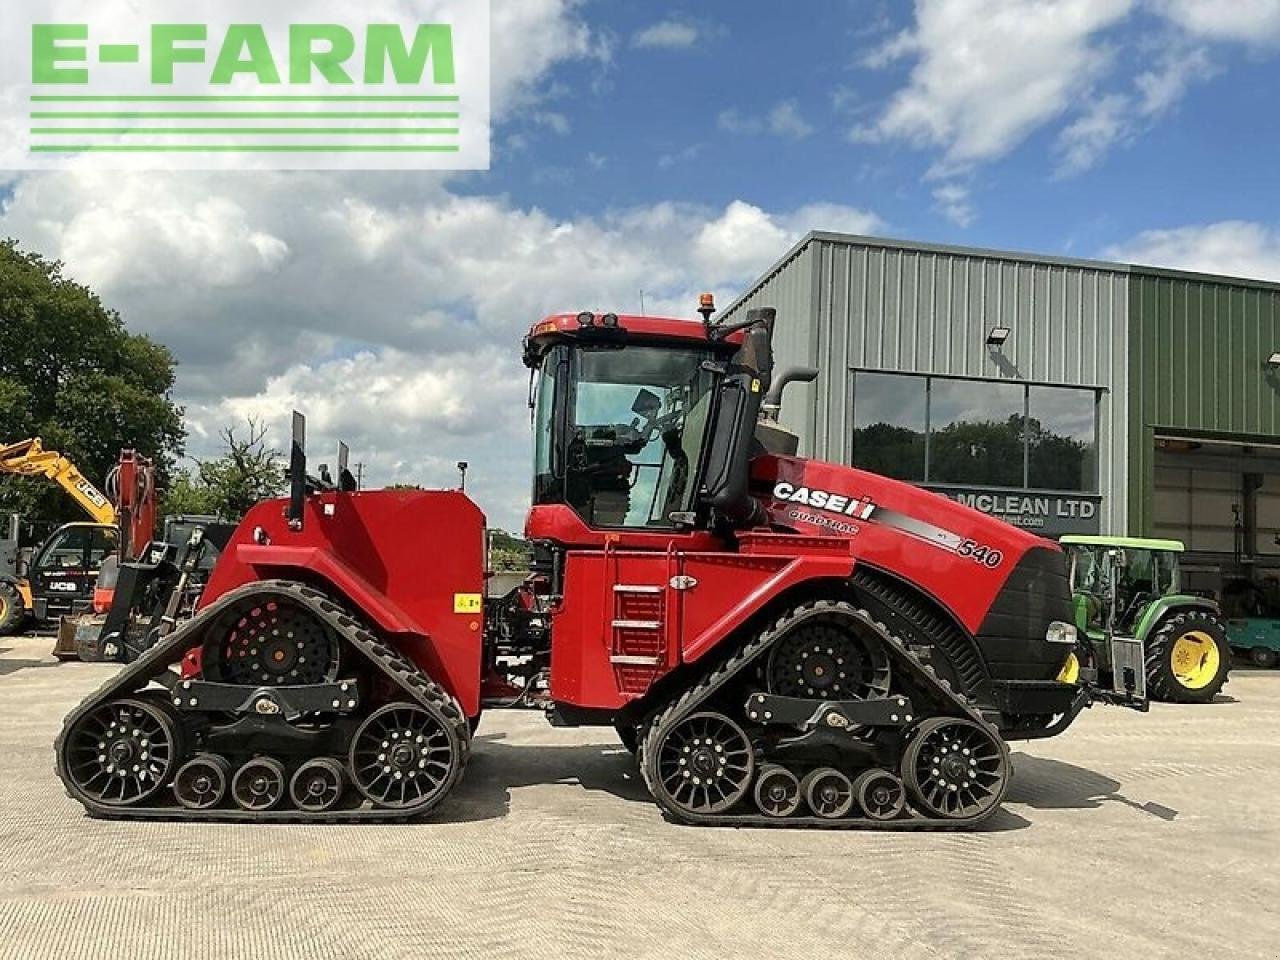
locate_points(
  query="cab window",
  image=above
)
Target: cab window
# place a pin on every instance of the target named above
(78, 548)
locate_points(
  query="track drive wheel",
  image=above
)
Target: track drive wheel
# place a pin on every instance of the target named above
(12, 609)
(201, 782)
(702, 765)
(123, 751)
(270, 641)
(405, 756)
(317, 785)
(828, 793)
(777, 791)
(880, 794)
(828, 655)
(955, 768)
(1188, 658)
(259, 784)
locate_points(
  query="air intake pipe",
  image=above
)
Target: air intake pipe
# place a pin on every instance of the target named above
(746, 382)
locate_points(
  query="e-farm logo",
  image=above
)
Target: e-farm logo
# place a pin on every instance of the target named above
(320, 84)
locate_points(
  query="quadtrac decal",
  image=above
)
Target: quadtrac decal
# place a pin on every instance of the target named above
(839, 512)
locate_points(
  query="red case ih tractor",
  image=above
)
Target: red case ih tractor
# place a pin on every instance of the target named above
(780, 641)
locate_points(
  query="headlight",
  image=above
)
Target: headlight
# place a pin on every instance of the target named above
(1060, 632)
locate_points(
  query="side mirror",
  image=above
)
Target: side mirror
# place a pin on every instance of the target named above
(647, 404)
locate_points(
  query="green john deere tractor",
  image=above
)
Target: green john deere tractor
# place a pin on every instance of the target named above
(1129, 587)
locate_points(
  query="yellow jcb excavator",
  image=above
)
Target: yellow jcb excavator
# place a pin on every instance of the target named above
(63, 570)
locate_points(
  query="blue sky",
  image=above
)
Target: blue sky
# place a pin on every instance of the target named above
(685, 115)
(673, 148)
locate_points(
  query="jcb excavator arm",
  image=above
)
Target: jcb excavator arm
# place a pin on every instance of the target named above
(28, 458)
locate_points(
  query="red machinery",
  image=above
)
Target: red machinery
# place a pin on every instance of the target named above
(779, 640)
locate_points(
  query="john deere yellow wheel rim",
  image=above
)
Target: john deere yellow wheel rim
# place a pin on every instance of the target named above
(1195, 659)
(4, 607)
(1070, 672)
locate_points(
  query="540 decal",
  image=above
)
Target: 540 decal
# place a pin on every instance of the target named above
(980, 553)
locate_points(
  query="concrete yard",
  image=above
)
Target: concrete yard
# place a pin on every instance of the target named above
(1131, 836)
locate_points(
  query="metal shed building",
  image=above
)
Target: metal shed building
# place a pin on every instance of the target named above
(1061, 395)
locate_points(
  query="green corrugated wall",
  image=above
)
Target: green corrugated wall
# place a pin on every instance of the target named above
(1198, 352)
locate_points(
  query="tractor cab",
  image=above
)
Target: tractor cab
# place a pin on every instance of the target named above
(621, 415)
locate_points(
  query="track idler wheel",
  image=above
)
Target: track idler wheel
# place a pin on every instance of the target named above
(405, 756)
(828, 793)
(317, 785)
(704, 764)
(880, 795)
(955, 768)
(201, 782)
(123, 751)
(258, 785)
(777, 791)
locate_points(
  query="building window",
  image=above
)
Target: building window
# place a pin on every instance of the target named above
(976, 432)
(889, 424)
(982, 433)
(1062, 439)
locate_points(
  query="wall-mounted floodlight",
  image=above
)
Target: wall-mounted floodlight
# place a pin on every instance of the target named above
(998, 336)
(1273, 361)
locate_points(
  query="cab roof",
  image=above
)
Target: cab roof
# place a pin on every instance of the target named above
(666, 328)
(611, 328)
(1136, 543)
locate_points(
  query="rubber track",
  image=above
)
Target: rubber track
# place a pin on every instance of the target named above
(933, 628)
(715, 679)
(393, 665)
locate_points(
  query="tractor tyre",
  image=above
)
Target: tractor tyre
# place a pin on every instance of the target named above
(12, 610)
(1264, 657)
(1188, 658)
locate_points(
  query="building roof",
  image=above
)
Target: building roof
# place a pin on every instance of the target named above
(889, 243)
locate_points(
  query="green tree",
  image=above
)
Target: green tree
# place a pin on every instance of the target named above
(508, 552)
(71, 374)
(247, 472)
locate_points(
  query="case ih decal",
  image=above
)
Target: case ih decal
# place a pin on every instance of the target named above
(835, 506)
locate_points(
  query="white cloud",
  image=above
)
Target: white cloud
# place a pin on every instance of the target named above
(1114, 119)
(1246, 21)
(1083, 143)
(387, 306)
(668, 34)
(782, 120)
(955, 203)
(989, 72)
(1236, 248)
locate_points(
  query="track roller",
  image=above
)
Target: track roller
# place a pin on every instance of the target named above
(880, 794)
(317, 785)
(259, 784)
(123, 751)
(201, 782)
(954, 768)
(777, 791)
(828, 793)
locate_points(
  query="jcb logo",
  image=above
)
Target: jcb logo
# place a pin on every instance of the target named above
(91, 493)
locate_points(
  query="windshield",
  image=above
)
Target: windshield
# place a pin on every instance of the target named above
(619, 433)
